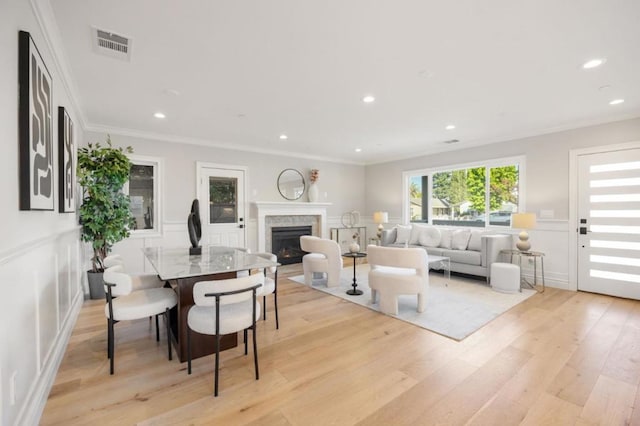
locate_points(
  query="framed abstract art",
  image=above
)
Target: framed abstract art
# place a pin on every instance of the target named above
(35, 127)
(66, 162)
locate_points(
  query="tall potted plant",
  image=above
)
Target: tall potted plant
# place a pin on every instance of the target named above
(104, 215)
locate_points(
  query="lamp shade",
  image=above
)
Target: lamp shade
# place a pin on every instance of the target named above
(380, 217)
(523, 220)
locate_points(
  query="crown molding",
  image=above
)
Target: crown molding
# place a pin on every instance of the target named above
(46, 20)
(208, 143)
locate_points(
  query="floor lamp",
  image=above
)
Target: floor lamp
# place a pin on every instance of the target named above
(523, 221)
(380, 218)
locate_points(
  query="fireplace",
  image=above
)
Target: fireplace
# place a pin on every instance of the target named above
(285, 243)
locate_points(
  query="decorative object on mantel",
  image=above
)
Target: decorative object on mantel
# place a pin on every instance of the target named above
(354, 247)
(195, 228)
(380, 218)
(350, 219)
(523, 221)
(312, 192)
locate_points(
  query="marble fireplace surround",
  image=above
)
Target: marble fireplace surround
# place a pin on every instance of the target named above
(289, 213)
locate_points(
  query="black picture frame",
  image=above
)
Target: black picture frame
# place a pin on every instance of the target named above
(35, 127)
(66, 162)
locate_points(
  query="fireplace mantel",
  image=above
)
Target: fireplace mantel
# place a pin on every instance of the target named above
(289, 208)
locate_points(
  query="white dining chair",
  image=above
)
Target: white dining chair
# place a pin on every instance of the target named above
(270, 286)
(224, 307)
(124, 304)
(138, 281)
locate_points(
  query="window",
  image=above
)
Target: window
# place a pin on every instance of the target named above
(144, 190)
(462, 195)
(223, 195)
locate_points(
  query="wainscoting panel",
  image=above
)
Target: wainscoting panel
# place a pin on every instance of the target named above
(40, 302)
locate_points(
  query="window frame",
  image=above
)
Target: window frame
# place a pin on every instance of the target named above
(157, 164)
(519, 160)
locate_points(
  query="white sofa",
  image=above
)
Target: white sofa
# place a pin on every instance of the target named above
(471, 251)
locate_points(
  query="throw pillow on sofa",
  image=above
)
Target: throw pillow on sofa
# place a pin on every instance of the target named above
(416, 230)
(429, 237)
(445, 238)
(460, 239)
(403, 233)
(475, 241)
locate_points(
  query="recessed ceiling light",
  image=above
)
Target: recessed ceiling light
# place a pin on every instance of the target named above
(159, 115)
(358, 149)
(368, 99)
(450, 127)
(594, 63)
(284, 137)
(616, 102)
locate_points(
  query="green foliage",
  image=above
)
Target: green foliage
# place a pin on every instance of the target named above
(104, 215)
(503, 186)
(458, 186)
(458, 190)
(441, 185)
(223, 191)
(451, 187)
(476, 187)
(414, 190)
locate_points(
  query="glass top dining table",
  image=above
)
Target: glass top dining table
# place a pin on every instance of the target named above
(176, 263)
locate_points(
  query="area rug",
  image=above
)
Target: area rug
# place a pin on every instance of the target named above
(455, 308)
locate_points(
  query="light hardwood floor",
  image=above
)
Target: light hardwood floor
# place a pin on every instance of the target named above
(558, 358)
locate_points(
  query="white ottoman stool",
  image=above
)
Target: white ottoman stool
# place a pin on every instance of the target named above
(505, 277)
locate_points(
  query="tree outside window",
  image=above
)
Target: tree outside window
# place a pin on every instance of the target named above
(463, 196)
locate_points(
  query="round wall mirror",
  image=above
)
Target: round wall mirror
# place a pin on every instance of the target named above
(291, 184)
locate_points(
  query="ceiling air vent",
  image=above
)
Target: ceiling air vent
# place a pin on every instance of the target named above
(452, 141)
(111, 44)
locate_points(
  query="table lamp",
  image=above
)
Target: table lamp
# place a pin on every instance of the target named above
(523, 221)
(380, 218)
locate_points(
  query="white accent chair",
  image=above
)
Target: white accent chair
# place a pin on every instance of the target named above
(323, 256)
(138, 281)
(224, 307)
(270, 286)
(396, 271)
(124, 304)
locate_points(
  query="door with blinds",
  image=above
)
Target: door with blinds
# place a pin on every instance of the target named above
(609, 223)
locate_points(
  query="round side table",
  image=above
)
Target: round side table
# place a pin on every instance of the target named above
(354, 256)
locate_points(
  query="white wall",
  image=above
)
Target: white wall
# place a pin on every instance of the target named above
(39, 250)
(547, 182)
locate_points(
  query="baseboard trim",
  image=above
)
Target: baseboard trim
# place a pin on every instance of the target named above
(31, 412)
